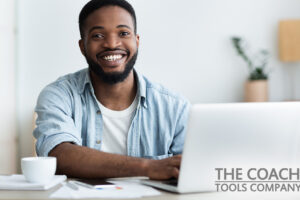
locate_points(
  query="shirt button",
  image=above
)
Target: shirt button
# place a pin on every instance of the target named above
(98, 112)
(98, 141)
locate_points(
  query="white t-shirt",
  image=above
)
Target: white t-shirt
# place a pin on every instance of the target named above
(116, 125)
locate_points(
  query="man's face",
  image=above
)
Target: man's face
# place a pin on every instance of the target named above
(110, 45)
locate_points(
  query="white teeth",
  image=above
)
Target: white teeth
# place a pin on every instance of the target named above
(112, 57)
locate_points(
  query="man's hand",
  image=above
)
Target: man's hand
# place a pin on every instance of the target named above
(164, 169)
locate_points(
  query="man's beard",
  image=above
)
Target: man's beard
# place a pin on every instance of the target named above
(112, 77)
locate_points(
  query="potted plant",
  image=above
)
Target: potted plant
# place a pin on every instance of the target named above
(256, 87)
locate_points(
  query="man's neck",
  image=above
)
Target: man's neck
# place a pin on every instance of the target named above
(118, 96)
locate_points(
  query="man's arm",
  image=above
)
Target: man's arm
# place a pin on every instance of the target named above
(181, 125)
(83, 162)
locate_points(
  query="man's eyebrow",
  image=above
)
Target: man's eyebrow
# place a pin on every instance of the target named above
(96, 27)
(123, 26)
(101, 27)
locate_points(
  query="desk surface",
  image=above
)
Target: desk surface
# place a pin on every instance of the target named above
(7, 195)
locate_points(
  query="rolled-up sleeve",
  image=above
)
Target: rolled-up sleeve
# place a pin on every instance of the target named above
(54, 123)
(181, 125)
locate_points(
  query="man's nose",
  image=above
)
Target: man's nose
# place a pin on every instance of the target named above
(112, 42)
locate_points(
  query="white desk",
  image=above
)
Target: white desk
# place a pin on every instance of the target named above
(43, 195)
(7, 195)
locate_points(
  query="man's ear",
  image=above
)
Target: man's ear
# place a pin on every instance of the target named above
(137, 40)
(81, 46)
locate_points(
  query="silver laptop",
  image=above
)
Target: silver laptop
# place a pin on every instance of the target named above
(235, 135)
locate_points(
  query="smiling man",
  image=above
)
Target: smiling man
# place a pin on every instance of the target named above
(108, 120)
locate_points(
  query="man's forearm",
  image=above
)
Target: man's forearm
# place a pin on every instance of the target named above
(79, 161)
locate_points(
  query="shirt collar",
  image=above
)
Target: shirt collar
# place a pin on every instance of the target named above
(141, 83)
(85, 80)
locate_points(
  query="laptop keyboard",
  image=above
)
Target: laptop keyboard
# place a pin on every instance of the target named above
(173, 182)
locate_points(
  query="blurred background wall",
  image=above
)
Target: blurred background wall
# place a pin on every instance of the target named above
(8, 130)
(184, 45)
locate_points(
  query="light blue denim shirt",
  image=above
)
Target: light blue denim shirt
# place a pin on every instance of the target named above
(68, 112)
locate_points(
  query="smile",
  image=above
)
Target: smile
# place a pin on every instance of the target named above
(114, 57)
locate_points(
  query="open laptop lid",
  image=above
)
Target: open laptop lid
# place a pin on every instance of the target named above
(237, 135)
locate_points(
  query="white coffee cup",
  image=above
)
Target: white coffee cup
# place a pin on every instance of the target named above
(38, 169)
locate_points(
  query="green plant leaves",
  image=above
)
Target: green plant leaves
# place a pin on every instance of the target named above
(256, 72)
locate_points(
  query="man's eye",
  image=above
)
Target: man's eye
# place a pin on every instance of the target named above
(98, 36)
(124, 33)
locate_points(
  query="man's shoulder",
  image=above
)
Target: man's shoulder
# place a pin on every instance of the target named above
(75, 78)
(72, 81)
(158, 91)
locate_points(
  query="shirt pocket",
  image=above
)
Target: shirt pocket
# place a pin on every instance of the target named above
(159, 157)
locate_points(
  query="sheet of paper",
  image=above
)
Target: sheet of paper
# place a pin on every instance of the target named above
(123, 189)
(18, 182)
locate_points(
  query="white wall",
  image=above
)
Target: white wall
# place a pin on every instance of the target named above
(47, 49)
(191, 42)
(7, 88)
(184, 45)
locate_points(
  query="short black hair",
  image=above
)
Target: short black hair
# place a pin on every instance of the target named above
(93, 5)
